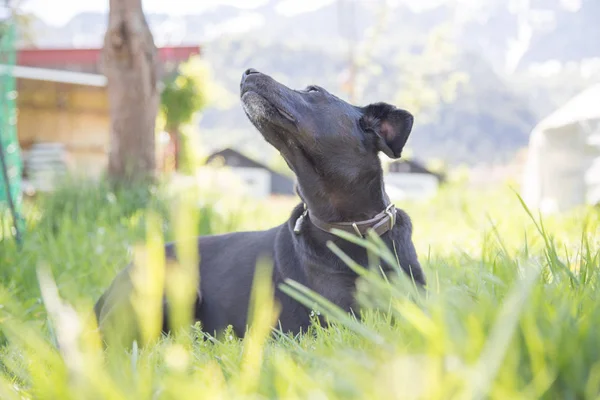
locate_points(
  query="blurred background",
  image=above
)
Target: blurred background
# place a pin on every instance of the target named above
(506, 98)
(489, 81)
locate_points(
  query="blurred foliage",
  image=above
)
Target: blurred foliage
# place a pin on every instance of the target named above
(191, 154)
(429, 78)
(185, 93)
(425, 74)
(21, 19)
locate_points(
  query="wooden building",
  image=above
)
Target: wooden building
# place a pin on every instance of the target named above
(62, 99)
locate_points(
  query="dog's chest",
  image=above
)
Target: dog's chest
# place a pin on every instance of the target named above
(337, 287)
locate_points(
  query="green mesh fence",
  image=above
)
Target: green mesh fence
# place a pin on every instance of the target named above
(11, 164)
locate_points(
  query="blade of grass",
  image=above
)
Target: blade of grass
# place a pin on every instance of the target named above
(486, 368)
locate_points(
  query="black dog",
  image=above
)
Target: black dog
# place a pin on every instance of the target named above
(332, 147)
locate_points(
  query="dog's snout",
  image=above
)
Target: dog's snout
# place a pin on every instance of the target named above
(247, 73)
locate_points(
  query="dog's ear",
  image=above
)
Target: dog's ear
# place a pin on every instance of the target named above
(391, 125)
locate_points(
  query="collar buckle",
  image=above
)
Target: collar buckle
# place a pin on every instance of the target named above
(391, 212)
(355, 227)
(300, 221)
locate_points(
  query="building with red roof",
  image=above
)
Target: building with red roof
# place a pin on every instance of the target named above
(62, 99)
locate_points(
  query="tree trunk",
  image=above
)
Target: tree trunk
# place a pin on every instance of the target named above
(175, 136)
(131, 68)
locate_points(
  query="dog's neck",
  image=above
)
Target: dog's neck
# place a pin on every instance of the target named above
(338, 206)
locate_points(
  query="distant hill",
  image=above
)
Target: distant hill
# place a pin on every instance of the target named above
(564, 30)
(497, 43)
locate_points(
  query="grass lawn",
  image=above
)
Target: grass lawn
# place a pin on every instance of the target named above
(512, 309)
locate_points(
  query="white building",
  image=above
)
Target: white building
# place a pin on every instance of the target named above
(258, 180)
(407, 179)
(563, 162)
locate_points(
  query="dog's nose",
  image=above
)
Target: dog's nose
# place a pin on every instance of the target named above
(247, 73)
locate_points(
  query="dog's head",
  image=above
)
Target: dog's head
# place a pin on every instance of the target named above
(332, 146)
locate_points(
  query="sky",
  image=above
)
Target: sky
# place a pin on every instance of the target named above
(59, 12)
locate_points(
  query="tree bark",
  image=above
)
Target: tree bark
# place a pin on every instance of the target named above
(175, 137)
(131, 68)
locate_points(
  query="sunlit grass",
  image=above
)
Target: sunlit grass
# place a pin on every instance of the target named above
(511, 310)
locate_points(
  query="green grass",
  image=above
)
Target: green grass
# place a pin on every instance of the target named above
(512, 309)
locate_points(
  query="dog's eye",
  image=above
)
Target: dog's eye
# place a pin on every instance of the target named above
(312, 89)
